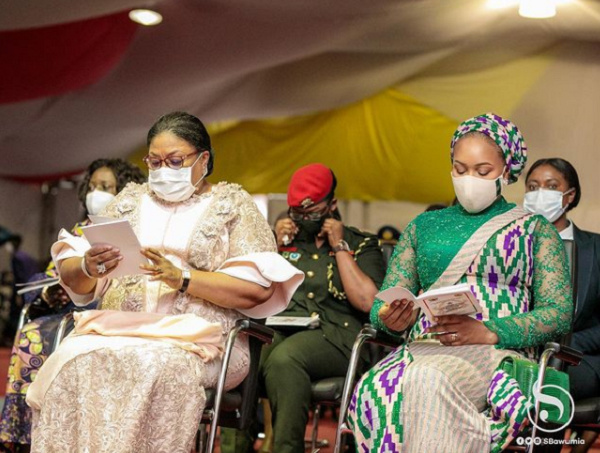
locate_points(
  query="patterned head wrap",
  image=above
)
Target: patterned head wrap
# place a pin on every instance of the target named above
(504, 133)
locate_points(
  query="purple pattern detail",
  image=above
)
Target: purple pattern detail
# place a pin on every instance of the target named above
(514, 283)
(493, 280)
(509, 242)
(388, 445)
(389, 385)
(369, 414)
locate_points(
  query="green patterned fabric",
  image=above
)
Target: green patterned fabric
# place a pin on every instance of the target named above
(503, 276)
(521, 279)
(504, 133)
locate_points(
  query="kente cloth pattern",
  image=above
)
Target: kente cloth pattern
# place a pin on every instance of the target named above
(504, 133)
(520, 278)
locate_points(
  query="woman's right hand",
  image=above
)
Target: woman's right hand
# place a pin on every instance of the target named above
(398, 316)
(285, 230)
(101, 254)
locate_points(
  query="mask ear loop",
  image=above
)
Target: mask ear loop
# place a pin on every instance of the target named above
(205, 171)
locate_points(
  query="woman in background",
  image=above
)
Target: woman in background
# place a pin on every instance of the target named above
(553, 191)
(103, 180)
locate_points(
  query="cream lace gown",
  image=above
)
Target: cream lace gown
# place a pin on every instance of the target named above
(128, 394)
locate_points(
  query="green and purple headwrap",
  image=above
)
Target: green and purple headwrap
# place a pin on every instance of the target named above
(504, 133)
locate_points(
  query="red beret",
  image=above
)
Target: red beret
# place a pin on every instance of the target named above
(309, 185)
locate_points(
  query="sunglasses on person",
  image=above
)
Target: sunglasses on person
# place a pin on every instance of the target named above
(297, 215)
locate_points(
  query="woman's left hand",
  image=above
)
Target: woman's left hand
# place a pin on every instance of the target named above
(161, 268)
(461, 330)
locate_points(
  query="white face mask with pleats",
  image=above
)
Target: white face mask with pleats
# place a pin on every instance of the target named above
(174, 185)
(548, 203)
(476, 194)
(97, 200)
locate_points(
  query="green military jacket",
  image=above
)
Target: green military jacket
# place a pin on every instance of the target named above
(322, 292)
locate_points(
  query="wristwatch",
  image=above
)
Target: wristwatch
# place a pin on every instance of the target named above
(342, 246)
(186, 276)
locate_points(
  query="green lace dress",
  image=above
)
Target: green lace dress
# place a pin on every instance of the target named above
(426, 397)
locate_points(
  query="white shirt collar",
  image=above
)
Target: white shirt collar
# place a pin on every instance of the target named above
(567, 233)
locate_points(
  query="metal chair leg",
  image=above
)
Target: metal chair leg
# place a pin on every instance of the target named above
(62, 328)
(210, 443)
(364, 335)
(315, 429)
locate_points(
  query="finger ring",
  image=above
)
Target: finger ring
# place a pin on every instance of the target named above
(454, 337)
(101, 268)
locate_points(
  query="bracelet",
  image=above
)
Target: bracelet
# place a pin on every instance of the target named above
(84, 269)
(186, 276)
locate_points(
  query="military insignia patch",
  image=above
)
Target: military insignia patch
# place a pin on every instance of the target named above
(295, 256)
(307, 202)
(286, 255)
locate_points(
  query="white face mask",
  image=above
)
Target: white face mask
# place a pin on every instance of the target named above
(475, 194)
(97, 200)
(548, 203)
(174, 185)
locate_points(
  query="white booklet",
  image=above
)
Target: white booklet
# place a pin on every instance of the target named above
(119, 234)
(450, 300)
(309, 322)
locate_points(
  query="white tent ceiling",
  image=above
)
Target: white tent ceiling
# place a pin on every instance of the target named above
(249, 59)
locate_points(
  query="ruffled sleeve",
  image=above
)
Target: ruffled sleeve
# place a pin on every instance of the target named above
(253, 257)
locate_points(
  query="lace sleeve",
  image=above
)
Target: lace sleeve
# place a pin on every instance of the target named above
(402, 271)
(552, 296)
(249, 231)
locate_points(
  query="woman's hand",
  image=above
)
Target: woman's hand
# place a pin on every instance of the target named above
(285, 230)
(461, 330)
(101, 259)
(398, 316)
(161, 268)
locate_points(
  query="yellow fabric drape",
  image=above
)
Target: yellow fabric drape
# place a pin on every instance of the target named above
(387, 147)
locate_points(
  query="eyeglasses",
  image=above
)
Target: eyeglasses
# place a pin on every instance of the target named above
(174, 162)
(296, 215)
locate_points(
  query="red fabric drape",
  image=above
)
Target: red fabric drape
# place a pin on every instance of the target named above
(53, 60)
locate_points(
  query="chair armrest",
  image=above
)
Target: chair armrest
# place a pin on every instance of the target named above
(261, 332)
(565, 353)
(381, 338)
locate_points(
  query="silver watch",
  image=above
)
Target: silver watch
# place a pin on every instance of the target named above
(341, 246)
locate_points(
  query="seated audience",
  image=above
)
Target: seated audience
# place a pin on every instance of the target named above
(553, 190)
(103, 179)
(443, 390)
(131, 377)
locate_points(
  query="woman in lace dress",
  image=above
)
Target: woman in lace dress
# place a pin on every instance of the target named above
(132, 377)
(443, 390)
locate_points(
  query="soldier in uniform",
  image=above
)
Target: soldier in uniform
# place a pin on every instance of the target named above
(344, 268)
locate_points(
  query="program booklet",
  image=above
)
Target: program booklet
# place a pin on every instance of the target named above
(308, 322)
(450, 300)
(119, 234)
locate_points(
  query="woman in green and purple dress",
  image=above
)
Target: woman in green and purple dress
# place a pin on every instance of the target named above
(103, 180)
(443, 391)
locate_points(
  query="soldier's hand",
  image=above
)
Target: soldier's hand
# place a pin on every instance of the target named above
(333, 231)
(285, 230)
